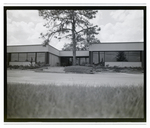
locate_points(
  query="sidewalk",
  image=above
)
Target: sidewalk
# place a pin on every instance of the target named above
(54, 70)
(118, 79)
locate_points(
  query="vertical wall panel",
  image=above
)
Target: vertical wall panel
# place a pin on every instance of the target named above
(47, 58)
(90, 57)
(53, 60)
(50, 59)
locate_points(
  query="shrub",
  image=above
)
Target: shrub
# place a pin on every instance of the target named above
(26, 67)
(83, 64)
(36, 66)
(9, 66)
(15, 66)
(23, 67)
(107, 65)
(88, 65)
(117, 70)
(79, 69)
(115, 67)
(98, 70)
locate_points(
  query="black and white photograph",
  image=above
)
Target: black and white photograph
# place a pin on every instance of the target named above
(75, 63)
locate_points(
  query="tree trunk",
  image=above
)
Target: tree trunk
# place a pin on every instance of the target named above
(74, 41)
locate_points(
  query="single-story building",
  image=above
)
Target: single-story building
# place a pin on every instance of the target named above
(123, 54)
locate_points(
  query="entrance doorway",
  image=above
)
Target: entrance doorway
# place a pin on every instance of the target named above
(66, 61)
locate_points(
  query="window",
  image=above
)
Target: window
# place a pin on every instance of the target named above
(95, 58)
(82, 61)
(101, 57)
(22, 56)
(14, 56)
(122, 56)
(40, 57)
(31, 55)
(134, 57)
(70, 61)
(110, 56)
(87, 60)
(77, 61)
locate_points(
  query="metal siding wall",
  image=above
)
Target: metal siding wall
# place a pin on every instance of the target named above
(32, 48)
(78, 53)
(47, 58)
(53, 50)
(50, 59)
(117, 46)
(90, 57)
(53, 60)
(36, 57)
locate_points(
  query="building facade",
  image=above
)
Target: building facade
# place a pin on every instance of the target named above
(129, 54)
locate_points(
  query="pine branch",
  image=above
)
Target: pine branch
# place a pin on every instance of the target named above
(86, 29)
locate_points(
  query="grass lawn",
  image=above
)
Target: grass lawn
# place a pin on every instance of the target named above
(50, 101)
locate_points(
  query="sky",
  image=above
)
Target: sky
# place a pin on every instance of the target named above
(24, 27)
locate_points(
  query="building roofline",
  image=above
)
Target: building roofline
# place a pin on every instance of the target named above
(79, 50)
(18, 45)
(71, 50)
(54, 47)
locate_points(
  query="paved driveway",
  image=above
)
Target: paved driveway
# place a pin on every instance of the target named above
(24, 76)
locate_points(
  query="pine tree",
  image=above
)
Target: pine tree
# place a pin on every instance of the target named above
(71, 24)
(121, 56)
(82, 45)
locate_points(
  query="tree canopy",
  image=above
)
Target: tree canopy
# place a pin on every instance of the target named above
(121, 56)
(71, 24)
(81, 46)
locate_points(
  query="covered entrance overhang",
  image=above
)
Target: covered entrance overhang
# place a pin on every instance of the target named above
(66, 58)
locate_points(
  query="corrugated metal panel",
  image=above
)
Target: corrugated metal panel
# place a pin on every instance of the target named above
(139, 46)
(78, 53)
(53, 50)
(53, 60)
(28, 48)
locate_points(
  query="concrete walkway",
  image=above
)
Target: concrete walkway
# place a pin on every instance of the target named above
(55, 70)
(24, 76)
